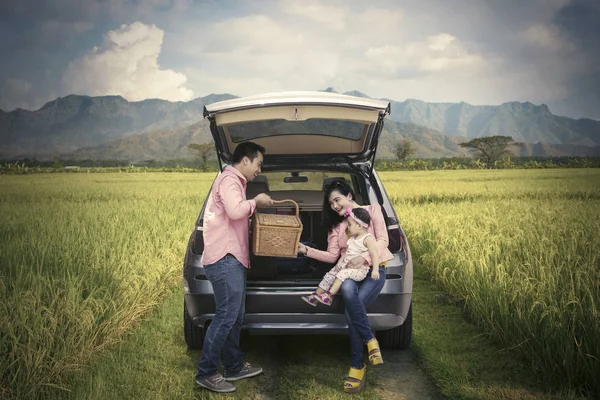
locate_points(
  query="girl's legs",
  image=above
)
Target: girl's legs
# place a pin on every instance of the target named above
(356, 274)
(335, 287)
(357, 296)
(328, 279)
(324, 285)
(326, 296)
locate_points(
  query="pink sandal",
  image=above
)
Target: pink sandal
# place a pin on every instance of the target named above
(325, 298)
(310, 299)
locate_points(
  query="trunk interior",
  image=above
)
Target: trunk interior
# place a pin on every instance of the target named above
(281, 269)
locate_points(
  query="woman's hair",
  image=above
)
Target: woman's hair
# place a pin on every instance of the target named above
(362, 214)
(330, 217)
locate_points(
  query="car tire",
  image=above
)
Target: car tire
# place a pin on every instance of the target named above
(398, 337)
(194, 335)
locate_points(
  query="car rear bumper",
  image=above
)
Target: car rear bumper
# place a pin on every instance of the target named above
(282, 313)
(276, 308)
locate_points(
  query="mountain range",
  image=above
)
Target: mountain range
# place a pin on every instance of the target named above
(110, 127)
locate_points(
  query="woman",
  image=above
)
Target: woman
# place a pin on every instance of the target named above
(357, 295)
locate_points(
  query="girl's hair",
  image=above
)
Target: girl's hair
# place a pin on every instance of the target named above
(362, 214)
(332, 219)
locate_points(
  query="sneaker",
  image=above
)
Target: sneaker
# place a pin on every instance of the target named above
(216, 383)
(247, 371)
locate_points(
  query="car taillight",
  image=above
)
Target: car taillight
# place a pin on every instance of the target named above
(395, 239)
(198, 242)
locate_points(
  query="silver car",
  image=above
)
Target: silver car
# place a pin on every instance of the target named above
(311, 138)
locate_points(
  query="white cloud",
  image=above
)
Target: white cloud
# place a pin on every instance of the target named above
(331, 17)
(383, 52)
(126, 64)
(437, 50)
(440, 42)
(440, 54)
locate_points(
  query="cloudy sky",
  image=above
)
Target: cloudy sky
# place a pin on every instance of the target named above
(477, 51)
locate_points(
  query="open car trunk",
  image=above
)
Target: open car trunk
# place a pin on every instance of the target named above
(308, 194)
(290, 270)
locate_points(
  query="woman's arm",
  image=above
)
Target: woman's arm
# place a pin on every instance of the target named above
(379, 231)
(333, 248)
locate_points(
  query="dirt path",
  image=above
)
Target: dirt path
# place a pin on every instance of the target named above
(400, 377)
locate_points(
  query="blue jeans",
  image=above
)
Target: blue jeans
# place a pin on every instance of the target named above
(228, 279)
(357, 297)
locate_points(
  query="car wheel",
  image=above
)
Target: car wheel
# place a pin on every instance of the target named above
(398, 337)
(194, 335)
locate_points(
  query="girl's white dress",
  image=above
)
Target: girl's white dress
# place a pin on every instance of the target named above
(356, 247)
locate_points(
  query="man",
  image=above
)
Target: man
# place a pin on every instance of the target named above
(226, 257)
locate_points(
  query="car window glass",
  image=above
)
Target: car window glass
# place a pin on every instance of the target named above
(316, 126)
(315, 180)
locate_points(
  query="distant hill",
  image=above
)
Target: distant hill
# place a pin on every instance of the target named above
(525, 122)
(164, 144)
(73, 122)
(161, 144)
(172, 143)
(112, 127)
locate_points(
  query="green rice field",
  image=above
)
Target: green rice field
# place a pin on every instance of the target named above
(521, 249)
(84, 257)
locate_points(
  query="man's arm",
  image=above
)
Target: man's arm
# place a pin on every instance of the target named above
(236, 206)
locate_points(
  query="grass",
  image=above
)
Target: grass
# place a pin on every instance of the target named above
(154, 363)
(462, 361)
(521, 249)
(85, 258)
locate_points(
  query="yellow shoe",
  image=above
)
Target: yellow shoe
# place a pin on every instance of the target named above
(374, 352)
(355, 382)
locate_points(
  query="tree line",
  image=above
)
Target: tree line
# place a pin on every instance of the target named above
(488, 152)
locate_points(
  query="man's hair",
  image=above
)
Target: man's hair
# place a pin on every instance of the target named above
(362, 214)
(247, 149)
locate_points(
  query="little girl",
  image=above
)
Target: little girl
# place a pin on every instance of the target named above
(360, 241)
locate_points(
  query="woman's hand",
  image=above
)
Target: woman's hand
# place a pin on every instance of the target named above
(301, 248)
(356, 262)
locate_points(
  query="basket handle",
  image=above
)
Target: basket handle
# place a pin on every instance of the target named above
(288, 201)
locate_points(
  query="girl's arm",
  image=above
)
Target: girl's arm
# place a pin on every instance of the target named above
(371, 245)
(380, 233)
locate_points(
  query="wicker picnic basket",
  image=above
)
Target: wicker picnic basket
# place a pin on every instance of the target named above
(276, 235)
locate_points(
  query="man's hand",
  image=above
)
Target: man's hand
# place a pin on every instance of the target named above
(375, 274)
(356, 262)
(263, 200)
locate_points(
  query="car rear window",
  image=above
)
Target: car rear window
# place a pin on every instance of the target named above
(316, 180)
(316, 126)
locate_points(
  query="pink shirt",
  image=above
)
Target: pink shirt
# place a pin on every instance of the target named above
(226, 219)
(337, 241)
